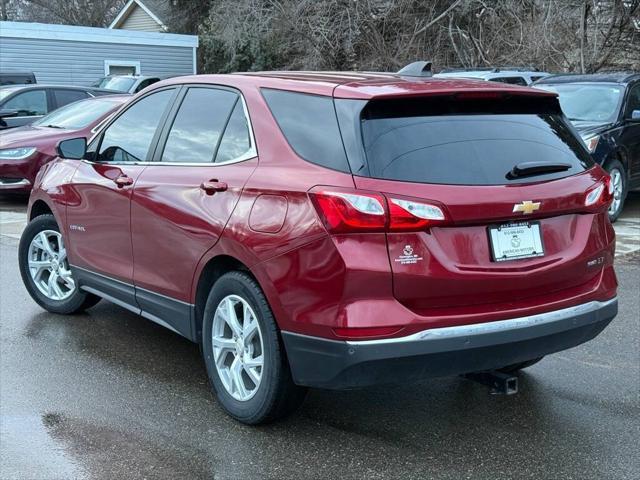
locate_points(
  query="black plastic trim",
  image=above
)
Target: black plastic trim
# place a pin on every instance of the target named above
(173, 314)
(332, 364)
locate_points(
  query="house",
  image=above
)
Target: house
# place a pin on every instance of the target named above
(73, 55)
(145, 16)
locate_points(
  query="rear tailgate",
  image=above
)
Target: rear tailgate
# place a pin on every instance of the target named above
(454, 266)
(514, 166)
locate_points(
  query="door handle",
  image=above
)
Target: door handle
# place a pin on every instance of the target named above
(123, 181)
(213, 186)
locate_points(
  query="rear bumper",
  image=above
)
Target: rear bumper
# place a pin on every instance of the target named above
(437, 352)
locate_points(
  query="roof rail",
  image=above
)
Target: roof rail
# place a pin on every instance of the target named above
(472, 69)
(490, 69)
(417, 69)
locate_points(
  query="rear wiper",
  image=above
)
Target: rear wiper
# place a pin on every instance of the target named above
(54, 126)
(528, 169)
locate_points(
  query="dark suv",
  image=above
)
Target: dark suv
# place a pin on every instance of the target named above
(329, 230)
(605, 109)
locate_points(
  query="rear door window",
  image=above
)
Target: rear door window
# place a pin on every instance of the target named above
(236, 142)
(466, 142)
(64, 97)
(198, 125)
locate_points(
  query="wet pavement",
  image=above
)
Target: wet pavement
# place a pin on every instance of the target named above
(109, 395)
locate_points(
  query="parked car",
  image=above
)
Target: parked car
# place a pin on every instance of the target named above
(17, 78)
(23, 104)
(24, 150)
(510, 75)
(332, 230)
(605, 109)
(125, 83)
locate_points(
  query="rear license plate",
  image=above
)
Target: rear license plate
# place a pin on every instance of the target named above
(514, 241)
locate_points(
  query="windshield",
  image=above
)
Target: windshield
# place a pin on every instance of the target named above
(588, 102)
(77, 115)
(121, 84)
(5, 92)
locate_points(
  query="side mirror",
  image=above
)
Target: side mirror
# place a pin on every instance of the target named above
(73, 149)
(635, 116)
(7, 112)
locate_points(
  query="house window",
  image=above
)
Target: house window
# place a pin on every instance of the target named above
(121, 67)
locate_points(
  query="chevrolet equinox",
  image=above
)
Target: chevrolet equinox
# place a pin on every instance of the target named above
(332, 230)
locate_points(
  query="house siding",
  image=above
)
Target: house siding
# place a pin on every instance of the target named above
(140, 20)
(78, 62)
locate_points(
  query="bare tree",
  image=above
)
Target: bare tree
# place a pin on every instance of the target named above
(9, 10)
(236, 35)
(92, 13)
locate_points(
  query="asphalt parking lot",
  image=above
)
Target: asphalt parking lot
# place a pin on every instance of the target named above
(107, 395)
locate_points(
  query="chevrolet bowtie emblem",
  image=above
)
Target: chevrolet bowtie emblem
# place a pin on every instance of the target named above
(526, 207)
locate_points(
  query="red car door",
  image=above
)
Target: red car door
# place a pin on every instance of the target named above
(99, 214)
(182, 203)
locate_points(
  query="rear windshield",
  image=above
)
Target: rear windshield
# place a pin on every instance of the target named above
(468, 142)
(120, 84)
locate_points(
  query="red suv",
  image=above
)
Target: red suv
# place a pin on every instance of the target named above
(332, 230)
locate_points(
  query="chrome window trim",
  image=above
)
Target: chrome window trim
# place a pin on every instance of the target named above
(248, 155)
(100, 124)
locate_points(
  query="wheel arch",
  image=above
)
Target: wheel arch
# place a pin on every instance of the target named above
(621, 155)
(38, 208)
(213, 269)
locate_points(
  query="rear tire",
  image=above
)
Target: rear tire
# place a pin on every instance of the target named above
(619, 181)
(65, 300)
(516, 367)
(249, 393)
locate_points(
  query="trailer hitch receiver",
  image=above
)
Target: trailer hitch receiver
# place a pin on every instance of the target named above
(500, 383)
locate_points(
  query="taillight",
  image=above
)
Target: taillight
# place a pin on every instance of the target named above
(410, 215)
(600, 195)
(344, 211)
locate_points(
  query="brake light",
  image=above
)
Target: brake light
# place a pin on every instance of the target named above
(348, 212)
(408, 215)
(352, 211)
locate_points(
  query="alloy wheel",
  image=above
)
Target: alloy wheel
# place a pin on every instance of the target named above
(49, 267)
(237, 347)
(618, 190)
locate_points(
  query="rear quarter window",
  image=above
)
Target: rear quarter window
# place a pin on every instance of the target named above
(310, 125)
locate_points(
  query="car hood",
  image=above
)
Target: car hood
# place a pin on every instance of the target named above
(35, 136)
(588, 128)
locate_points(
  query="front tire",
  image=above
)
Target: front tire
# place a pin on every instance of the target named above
(45, 270)
(244, 355)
